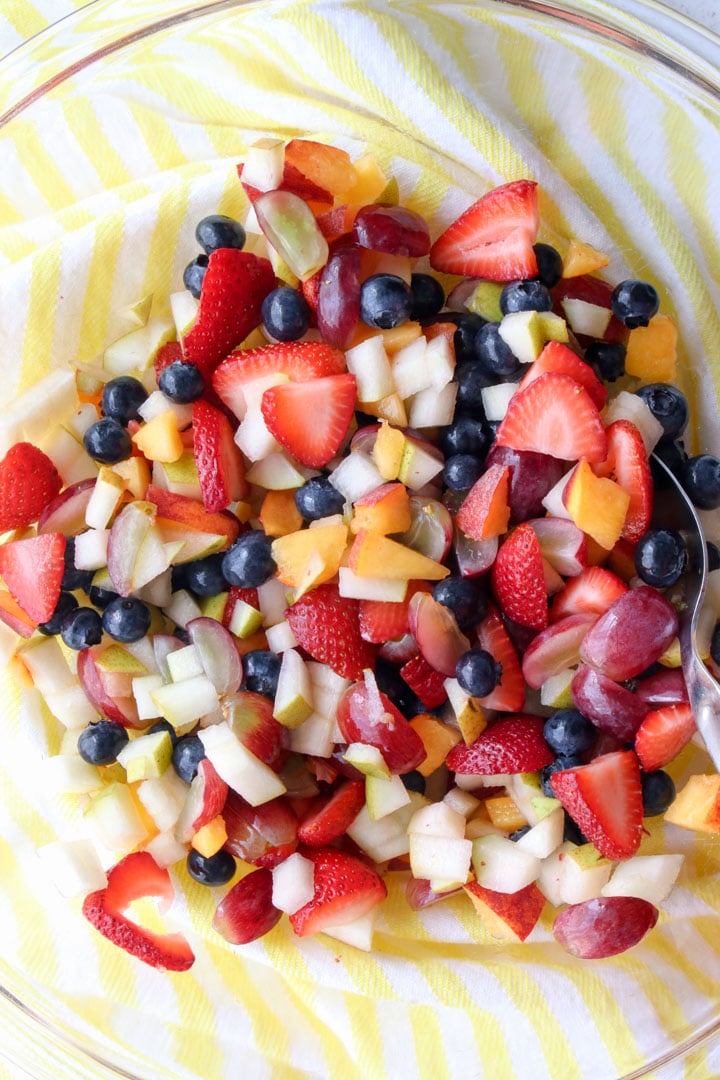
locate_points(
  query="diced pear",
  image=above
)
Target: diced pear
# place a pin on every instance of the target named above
(501, 866)
(105, 497)
(485, 301)
(294, 695)
(137, 350)
(586, 318)
(184, 663)
(146, 756)
(358, 933)
(651, 877)
(183, 308)
(544, 837)
(293, 883)
(115, 820)
(445, 858)
(69, 774)
(367, 760)
(585, 873)
(384, 795)
(388, 837)
(245, 620)
(184, 702)
(238, 767)
(438, 819)
(164, 798)
(369, 363)
(523, 333)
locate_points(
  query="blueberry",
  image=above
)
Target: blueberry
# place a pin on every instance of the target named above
(573, 832)
(101, 742)
(211, 870)
(72, 577)
(317, 498)
(463, 597)
(385, 301)
(163, 725)
(493, 353)
(390, 682)
(81, 628)
(660, 557)
(187, 754)
(99, 597)
(461, 471)
(465, 435)
(562, 762)
(126, 619)
(668, 405)
(713, 556)
(658, 791)
(260, 671)
(525, 296)
(428, 296)
(249, 562)
(478, 672)
(65, 604)
(194, 274)
(608, 359)
(107, 441)
(468, 325)
(673, 455)
(181, 634)
(218, 231)
(122, 397)
(182, 383)
(715, 644)
(550, 264)
(514, 836)
(634, 302)
(205, 576)
(471, 381)
(286, 314)
(414, 781)
(491, 428)
(701, 479)
(568, 732)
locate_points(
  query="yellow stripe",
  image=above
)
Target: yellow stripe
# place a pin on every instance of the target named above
(46, 173)
(39, 333)
(96, 141)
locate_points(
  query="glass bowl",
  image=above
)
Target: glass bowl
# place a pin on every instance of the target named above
(120, 127)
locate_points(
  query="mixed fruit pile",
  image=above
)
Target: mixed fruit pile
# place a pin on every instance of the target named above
(347, 567)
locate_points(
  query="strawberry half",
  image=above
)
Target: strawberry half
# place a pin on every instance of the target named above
(233, 289)
(220, 466)
(591, 592)
(326, 625)
(509, 694)
(33, 570)
(167, 354)
(424, 681)
(554, 415)
(518, 579)
(330, 819)
(662, 734)
(513, 744)
(494, 238)
(28, 482)
(386, 620)
(604, 798)
(345, 889)
(311, 419)
(627, 463)
(559, 358)
(134, 877)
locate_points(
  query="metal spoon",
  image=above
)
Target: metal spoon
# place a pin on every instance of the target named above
(672, 509)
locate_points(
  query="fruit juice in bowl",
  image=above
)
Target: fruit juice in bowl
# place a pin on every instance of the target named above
(333, 711)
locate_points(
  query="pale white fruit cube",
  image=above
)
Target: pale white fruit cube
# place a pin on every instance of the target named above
(461, 801)
(184, 664)
(315, 736)
(238, 767)
(280, 637)
(163, 797)
(496, 399)
(156, 404)
(293, 883)
(388, 837)
(384, 795)
(91, 549)
(166, 849)
(48, 667)
(358, 933)
(72, 708)
(355, 476)
(438, 819)
(410, 369)
(501, 866)
(264, 164)
(585, 318)
(369, 363)
(582, 880)
(114, 820)
(358, 587)
(550, 878)
(632, 407)
(651, 877)
(182, 608)
(73, 866)
(69, 774)
(442, 858)
(185, 702)
(272, 597)
(544, 837)
(440, 359)
(275, 472)
(432, 407)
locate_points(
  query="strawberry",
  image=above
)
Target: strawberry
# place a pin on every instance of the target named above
(513, 744)
(166, 355)
(235, 593)
(485, 512)
(345, 889)
(554, 415)
(329, 819)
(134, 877)
(294, 181)
(385, 620)
(326, 625)
(220, 466)
(233, 289)
(28, 482)
(425, 682)
(627, 463)
(33, 570)
(311, 291)
(604, 798)
(494, 238)
(559, 358)
(509, 694)
(662, 735)
(591, 592)
(518, 579)
(311, 419)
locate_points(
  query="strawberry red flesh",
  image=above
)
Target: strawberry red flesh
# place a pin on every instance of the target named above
(662, 735)
(627, 464)
(518, 579)
(311, 419)
(220, 466)
(554, 415)
(425, 682)
(28, 482)
(345, 889)
(604, 798)
(513, 744)
(509, 694)
(326, 625)
(560, 358)
(591, 592)
(33, 571)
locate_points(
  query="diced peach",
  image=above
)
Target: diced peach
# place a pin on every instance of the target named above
(249, 644)
(382, 262)
(186, 511)
(372, 555)
(13, 615)
(369, 183)
(384, 510)
(437, 738)
(597, 505)
(159, 440)
(596, 554)
(337, 222)
(441, 329)
(510, 916)
(485, 512)
(390, 408)
(135, 471)
(278, 514)
(621, 560)
(320, 549)
(210, 838)
(652, 351)
(19, 673)
(388, 451)
(394, 339)
(327, 166)
(581, 258)
(504, 814)
(697, 805)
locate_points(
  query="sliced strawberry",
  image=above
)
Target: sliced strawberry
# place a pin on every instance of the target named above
(493, 238)
(513, 744)
(326, 625)
(311, 419)
(28, 482)
(233, 289)
(425, 682)
(592, 290)
(627, 463)
(485, 511)
(135, 877)
(509, 694)
(33, 570)
(311, 291)
(518, 579)
(559, 358)
(662, 735)
(220, 466)
(591, 592)
(385, 620)
(554, 415)
(13, 616)
(294, 181)
(166, 355)
(604, 798)
(345, 889)
(330, 819)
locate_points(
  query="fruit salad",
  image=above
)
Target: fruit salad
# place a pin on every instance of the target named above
(341, 565)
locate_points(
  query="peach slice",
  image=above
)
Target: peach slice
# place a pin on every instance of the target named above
(597, 505)
(511, 916)
(384, 510)
(322, 547)
(373, 555)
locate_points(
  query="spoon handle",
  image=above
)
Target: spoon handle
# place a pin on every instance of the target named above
(704, 694)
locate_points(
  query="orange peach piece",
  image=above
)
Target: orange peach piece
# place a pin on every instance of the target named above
(652, 351)
(437, 738)
(581, 258)
(394, 339)
(510, 916)
(504, 813)
(484, 512)
(441, 329)
(597, 505)
(278, 514)
(210, 837)
(621, 560)
(322, 547)
(372, 555)
(388, 451)
(384, 510)
(390, 408)
(697, 805)
(327, 166)
(14, 616)
(159, 440)
(596, 554)
(370, 181)
(189, 512)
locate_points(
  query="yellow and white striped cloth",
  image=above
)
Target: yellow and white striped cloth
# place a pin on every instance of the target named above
(102, 179)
